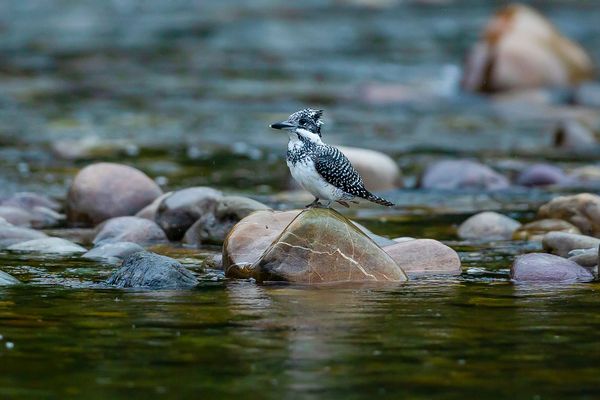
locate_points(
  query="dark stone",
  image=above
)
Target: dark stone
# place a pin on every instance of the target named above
(130, 229)
(177, 212)
(540, 267)
(106, 190)
(152, 271)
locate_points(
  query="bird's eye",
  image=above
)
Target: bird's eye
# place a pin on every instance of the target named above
(303, 121)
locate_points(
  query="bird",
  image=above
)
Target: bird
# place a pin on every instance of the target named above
(319, 168)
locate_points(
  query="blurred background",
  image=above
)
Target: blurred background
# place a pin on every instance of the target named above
(185, 89)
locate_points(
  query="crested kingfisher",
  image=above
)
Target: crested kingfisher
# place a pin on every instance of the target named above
(319, 168)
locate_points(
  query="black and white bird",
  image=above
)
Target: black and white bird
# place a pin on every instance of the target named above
(319, 168)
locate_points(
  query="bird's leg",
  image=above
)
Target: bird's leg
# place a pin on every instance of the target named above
(315, 203)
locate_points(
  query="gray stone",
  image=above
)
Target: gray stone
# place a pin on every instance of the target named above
(149, 212)
(540, 267)
(177, 212)
(536, 230)
(106, 190)
(152, 271)
(16, 216)
(10, 235)
(542, 175)
(213, 227)
(129, 229)
(424, 257)
(6, 279)
(573, 135)
(462, 174)
(585, 257)
(29, 200)
(561, 243)
(49, 245)
(112, 253)
(488, 225)
(588, 94)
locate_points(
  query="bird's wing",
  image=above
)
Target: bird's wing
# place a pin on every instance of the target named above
(336, 169)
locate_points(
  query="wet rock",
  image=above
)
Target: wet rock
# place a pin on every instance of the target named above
(488, 225)
(425, 257)
(213, 227)
(106, 190)
(49, 245)
(214, 262)
(130, 229)
(6, 279)
(249, 238)
(462, 174)
(562, 243)
(378, 170)
(152, 271)
(10, 235)
(149, 212)
(542, 175)
(582, 210)
(177, 212)
(573, 135)
(537, 229)
(587, 258)
(112, 253)
(322, 246)
(521, 49)
(540, 267)
(29, 200)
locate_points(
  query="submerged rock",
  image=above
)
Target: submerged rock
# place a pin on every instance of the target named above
(130, 229)
(562, 243)
(540, 267)
(488, 225)
(213, 227)
(585, 257)
(112, 253)
(462, 174)
(537, 229)
(177, 212)
(152, 271)
(424, 257)
(10, 235)
(582, 210)
(322, 246)
(48, 245)
(542, 175)
(106, 190)
(7, 279)
(521, 49)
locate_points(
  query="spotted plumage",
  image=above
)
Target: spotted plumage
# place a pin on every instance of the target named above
(319, 168)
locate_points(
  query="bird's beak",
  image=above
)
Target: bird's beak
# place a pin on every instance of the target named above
(282, 125)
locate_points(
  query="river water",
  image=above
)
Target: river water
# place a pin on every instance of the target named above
(185, 90)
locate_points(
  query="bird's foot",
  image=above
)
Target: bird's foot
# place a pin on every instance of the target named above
(314, 204)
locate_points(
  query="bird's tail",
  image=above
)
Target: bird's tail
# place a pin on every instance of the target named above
(379, 200)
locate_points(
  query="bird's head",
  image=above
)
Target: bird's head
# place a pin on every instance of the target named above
(305, 122)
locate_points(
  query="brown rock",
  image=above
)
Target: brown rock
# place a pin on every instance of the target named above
(177, 212)
(424, 257)
(521, 49)
(106, 190)
(582, 210)
(536, 230)
(322, 246)
(540, 267)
